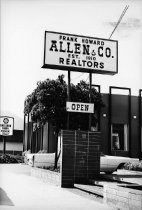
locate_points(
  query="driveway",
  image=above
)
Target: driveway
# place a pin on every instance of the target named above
(133, 177)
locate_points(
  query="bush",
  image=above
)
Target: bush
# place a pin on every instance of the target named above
(51, 168)
(133, 166)
(8, 158)
(42, 151)
(24, 154)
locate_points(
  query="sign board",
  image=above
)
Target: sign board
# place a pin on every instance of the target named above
(80, 53)
(6, 126)
(79, 107)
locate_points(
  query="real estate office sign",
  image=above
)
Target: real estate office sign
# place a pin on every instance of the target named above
(80, 53)
(6, 126)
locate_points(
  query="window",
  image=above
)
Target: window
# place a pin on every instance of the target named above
(119, 137)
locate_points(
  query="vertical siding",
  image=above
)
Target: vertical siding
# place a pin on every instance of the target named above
(52, 139)
(120, 109)
(135, 147)
(45, 137)
(26, 137)
(30, 131)
(104, 124)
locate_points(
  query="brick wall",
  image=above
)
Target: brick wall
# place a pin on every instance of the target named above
(68, 155)
(80, 156)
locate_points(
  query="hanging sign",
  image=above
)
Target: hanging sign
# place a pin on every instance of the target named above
(80, 53)
(6, 126)
(79, 107)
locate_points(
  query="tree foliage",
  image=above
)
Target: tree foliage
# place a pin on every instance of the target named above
(47, 103)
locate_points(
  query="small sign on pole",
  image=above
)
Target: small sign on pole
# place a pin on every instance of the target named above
(79, 107)
(6, 126)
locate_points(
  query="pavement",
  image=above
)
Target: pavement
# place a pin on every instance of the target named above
(20, 191)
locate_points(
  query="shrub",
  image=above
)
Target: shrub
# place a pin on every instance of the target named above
(51, 168)
(133, 166)
(8, 158)
(42, 151)
(24, 154)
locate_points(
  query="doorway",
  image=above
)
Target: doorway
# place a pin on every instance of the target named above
(119, 137)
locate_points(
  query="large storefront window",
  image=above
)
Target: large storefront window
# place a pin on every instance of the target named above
(119, 137)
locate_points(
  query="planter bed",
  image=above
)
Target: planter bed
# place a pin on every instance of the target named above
(47, 175)
(123, 196)
(40, 160)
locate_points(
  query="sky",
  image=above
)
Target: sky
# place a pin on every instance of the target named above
(23, 23)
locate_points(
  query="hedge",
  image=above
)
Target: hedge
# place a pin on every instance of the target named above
(8, 158)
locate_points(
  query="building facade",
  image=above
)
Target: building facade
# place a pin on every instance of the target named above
(120, 123)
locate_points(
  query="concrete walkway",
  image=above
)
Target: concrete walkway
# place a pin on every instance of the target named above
(20, 191)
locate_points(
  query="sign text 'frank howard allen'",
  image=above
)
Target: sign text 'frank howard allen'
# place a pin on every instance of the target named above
(79, 107)
(80, 53)
(6, 126)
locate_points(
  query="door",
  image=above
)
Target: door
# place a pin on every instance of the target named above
(119, 137)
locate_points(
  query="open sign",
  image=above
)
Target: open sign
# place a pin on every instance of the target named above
(79, 107)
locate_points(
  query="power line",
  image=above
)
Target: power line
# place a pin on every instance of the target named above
(119, 20)
(78, 76)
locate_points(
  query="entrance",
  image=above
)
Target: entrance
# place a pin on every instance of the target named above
(119, 137)
(120, 124)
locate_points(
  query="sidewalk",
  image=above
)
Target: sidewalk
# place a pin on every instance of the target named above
(20, 191)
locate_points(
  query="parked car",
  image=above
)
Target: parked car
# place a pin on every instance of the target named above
(109, 164)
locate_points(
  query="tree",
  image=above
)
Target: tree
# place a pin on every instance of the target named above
(47, 103)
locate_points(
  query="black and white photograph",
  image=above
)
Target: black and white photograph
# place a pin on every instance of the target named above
(71, 104)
